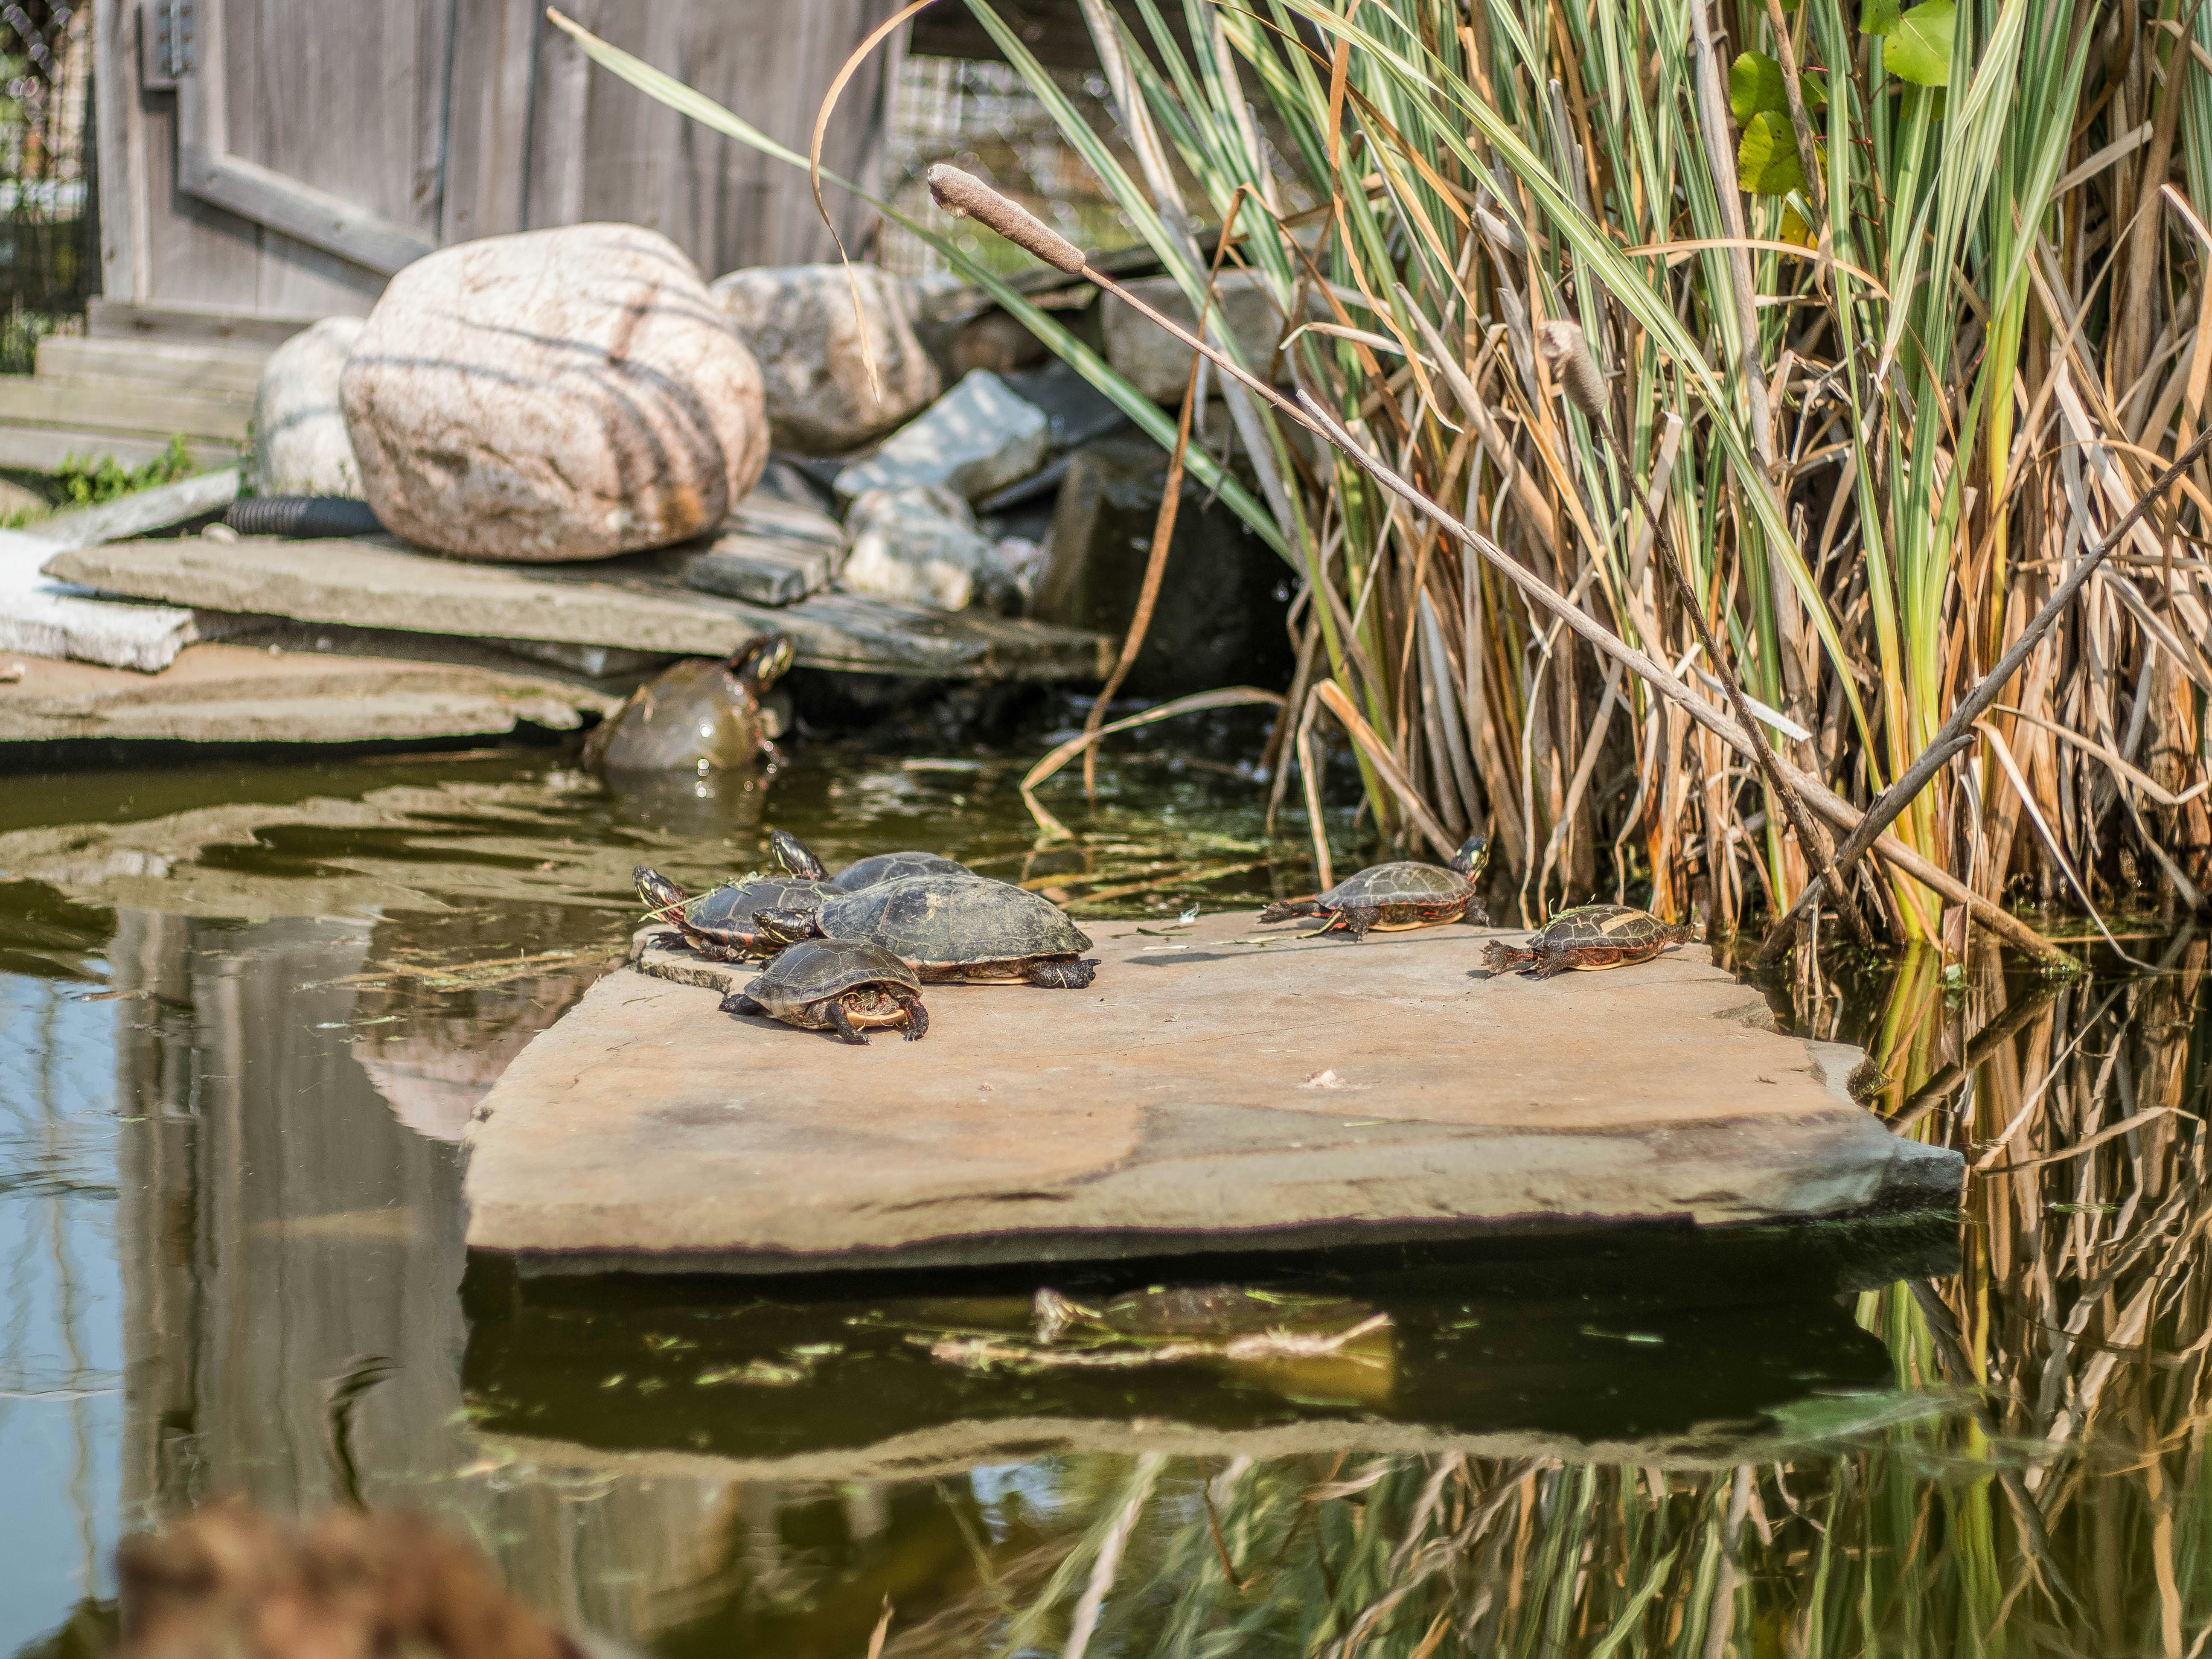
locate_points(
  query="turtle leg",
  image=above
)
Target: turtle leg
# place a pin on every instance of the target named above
(1553, 963)
(1284, 909)
(1357, 918)
(917, 1017)
(1063, 973)
(844, 1023)
(779, 927)
(1476, 915)
(739, 1003)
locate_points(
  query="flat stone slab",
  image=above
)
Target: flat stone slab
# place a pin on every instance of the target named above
(639, 601)
(1218, 1087)
(237, 694)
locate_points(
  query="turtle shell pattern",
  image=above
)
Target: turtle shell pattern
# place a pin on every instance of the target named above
(962, 926)
(816, 969)
(1392, 886)
(1590, 937)
(891, 866)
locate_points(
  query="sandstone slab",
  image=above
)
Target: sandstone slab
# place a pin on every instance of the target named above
(1218, 1087)
(798, 322)
(641, 601)
(976, 439)
(556, 395)
(301, 444)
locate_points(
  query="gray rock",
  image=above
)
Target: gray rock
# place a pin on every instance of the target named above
(558, 395)
(978, 438)
(798, 321)
(1155, 361)
(301, 444)
(918, 544)
(1219, 618)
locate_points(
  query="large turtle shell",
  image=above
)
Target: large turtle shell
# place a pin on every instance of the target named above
(891, 866)
(951, 922)
(816, 969)
(1405, 883)
(1599, 924)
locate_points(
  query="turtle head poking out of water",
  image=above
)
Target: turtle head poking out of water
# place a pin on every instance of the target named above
(837, 985)
(700, 714)
(1590, 936)
(1385, 897)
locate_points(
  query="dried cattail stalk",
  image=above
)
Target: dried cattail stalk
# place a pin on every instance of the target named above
(963, 193)
(1567, 355)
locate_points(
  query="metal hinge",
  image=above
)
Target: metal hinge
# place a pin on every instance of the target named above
(169, 32)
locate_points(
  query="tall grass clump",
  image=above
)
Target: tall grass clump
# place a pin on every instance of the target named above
(1882, 317)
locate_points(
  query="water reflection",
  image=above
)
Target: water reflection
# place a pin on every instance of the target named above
(237, 1035)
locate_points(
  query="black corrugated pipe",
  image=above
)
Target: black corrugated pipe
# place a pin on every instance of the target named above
(301, 516)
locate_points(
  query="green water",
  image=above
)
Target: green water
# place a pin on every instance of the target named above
(246, 1011)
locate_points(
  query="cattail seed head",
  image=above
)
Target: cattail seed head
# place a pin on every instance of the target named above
(1567, 355)
(963, 193)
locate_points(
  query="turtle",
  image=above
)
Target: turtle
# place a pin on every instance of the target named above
(1589, 936)
(838, 985)
(722, 926)
(965, 928)
(864, 873)
(1384, 897)
(703, 713)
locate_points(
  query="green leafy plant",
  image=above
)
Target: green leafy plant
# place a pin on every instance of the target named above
(90, 483)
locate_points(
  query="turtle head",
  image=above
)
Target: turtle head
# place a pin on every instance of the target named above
(796, 857)
(656, 890)
(780, 928)
(760, 663)
(1473, 854)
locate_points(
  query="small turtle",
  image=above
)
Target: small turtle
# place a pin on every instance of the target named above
(723, 925)
(1589, 936)
(836, 985)
(968, 928)
(701, 713)
(1384, 897)
(864, 873)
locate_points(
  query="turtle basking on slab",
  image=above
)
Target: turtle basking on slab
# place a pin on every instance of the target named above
(723, 925)
(839, 985)
(964, 927)
(1589, 936)
(1385, 897)
(869, 872)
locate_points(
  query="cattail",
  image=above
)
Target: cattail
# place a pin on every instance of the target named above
(1567, 355)
(960, 193)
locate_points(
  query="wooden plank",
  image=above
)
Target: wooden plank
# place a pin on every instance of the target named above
(487, 130)
(300, 211)
(48, 449)
(116, 150)
(183, 324)
(207, 371)
(109, 406)
(639, 602)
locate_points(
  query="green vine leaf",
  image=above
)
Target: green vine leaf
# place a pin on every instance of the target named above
(1879, 17)
(1767, 159)
(1755, 84)
(1919, 49)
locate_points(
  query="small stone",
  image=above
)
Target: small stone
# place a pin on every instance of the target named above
(1157, 363)
(301, 444)
(557, 395)
(978, 438)
(918, 544)
(798, 322)
(996, 341)
(1218, 619)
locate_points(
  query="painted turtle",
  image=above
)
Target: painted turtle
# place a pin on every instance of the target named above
(701, 713)
(966, 929)
(723, 925)
(1385, 897)
(799, 860)
(1589, 936)
(836, 985)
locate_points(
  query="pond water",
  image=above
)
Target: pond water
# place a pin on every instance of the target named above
(245, 1012)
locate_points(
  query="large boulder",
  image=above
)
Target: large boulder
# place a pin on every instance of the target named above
(301, 444)
(1157, 363)
(560, 394)
(799, 323)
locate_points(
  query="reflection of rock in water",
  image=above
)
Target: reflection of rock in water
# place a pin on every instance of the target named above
(445, 1044)
(276, 1224)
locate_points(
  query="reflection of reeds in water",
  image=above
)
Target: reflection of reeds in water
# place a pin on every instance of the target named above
(2046, 1494)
